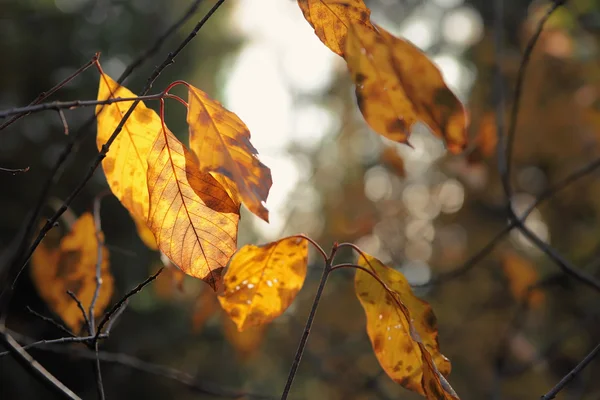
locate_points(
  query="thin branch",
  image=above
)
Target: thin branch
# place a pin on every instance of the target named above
(44, 95)
(14, 171)
(572, 374)
(70, 105)
(82, 309)
(115, 308)
(64, 122)
(309, 321)
(168, 61)
(34, 368)
(62, 340)
(51, 322)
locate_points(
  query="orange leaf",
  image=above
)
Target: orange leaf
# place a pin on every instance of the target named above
(330, 20)
(125, 165)
(521, 274)
(206, 306)
(193, 219)
(402, 327)
(72, 266)
(246, 343)
(221, 142)
(262, 281)
(397, 85)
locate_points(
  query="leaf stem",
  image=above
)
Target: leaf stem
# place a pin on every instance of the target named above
(311, 317)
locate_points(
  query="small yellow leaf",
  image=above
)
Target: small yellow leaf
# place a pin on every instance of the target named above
(397, 85)
(330, 20)
(245, 343)
(521, 274)
(125, 165)
(72, 266)
(191, 216)
(262, 281)
(401, 326)
(221, 143)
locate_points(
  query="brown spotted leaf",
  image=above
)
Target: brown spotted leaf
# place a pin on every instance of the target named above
(397, 85)
(262, 281)
(191, 216)
(331, 18)
(72, 267)
(221, 142)
(434, 383)
(125, 165)
(401, 326)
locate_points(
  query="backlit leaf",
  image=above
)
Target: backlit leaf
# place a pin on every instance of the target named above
(245, 343)
(125, 165)
(402, 327)
(434, 383)
(330, 20)
(221, 142)
(521, 274)
(262, 281)
(191, 216)
(72, 266)
(397, 85)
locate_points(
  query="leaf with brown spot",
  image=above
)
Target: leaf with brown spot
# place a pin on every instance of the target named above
(191, 216)
(262, 281)
(245, 343)
(331, 18)
(72, 266)
(401, 326)
(397, 85)
(125, 165)
(221, 142)
(434, 383)
(521, 274)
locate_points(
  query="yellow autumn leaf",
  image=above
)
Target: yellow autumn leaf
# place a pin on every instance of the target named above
(191, 216)
(221, 143)
(330, 20)
(434, 383)
(262, 281)
(401, 326)
(397, 85)
(245, 343)
(521, 274)
(125, 165)
(72, 267)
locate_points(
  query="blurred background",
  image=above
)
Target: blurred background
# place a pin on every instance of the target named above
(419, 210)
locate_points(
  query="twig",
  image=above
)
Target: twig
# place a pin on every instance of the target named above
(34, 368)
(51, 322)
(69, 105)
(44, 95)
(120, 303)
(572, 374)
(311, 317)
(82, 309)
(514, 115)
(62, 340)
(169, 60)
(64, 122)
(14, 171)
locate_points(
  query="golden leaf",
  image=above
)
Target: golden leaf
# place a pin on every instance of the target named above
(330, 20)
(402, 327)
(397, 85)
(521, 274)
(191, 216)
(72, 267)
(125, 165)
(221, 142)
(245, 343)
(435, 385)
(262, 281)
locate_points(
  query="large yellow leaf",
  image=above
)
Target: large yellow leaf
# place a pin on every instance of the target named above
(397, 85)
(330, 20)
(191, 216)
(262, 281)
(221, 142)
(125, 165)
(401, 326)
(72, 266)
